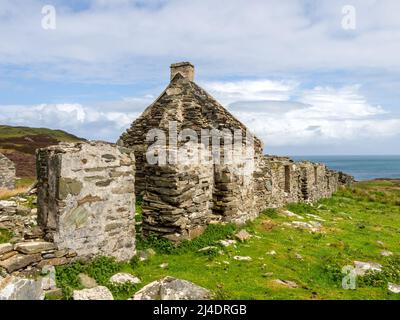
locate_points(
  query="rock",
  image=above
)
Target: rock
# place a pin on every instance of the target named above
(54, 294)
(243, 235)
(163, 265)
(96, 293)
(242, 258)
(286, 283)
(19, 261)
(291, 214)
(361, 267)
(312, 226)
(146, 254)
(315, 217)
(386, 253)
(53, 262)
(34, 247)
(380, 243)
(16, 288)
(86, 281)
(394, 288)
(170, 288)
(298, 256)
(271, 253)
(49, 279)
(123, 277)
(208, 249)
(5, 248)
(227, 243)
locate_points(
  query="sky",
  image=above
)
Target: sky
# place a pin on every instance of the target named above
(308, 77)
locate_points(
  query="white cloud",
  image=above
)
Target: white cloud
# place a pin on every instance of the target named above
(251, 90)
(125, 41)
(101, 122)
(323, 116)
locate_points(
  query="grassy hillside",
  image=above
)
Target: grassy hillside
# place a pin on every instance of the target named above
(357, 224)
(19, 144)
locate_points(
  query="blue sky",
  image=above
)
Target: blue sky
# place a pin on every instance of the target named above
(288, 69)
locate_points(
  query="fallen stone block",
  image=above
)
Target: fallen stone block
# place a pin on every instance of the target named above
(96, 293)
(15, 288)
(170, 288)
(124, 277)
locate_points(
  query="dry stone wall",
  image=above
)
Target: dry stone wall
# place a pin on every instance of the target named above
(86, 198)
(7, 173)
(177, 202)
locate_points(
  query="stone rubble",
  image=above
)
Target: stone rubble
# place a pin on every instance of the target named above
(361, 267)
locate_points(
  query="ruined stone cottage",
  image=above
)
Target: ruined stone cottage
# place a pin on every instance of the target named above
(7, 173)
(180, 200)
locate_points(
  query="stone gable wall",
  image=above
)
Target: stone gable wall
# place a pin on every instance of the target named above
(7, 173)
(86, 200)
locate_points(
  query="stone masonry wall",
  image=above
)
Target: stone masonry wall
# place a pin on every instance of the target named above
(177, 202)
(7, 173)
(86, 198)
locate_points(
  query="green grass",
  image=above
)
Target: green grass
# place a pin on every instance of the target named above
(5, 235)
(15, 132)
(356, 223)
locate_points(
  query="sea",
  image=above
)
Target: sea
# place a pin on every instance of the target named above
(361, 167)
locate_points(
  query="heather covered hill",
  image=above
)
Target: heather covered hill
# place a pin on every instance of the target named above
(19, 145)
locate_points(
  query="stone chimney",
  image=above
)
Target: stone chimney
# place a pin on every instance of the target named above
(186, 69)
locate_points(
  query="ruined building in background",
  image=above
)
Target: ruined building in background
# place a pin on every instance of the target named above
(180, 200)
(7, 173)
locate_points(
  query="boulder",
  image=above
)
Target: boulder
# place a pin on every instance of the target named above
(16, 288)
(394, 288)
(361, 267)
(170, 288)
(124, 277)
(96, 293)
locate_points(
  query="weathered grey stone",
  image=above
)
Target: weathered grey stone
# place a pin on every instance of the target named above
(49, 278)
(286, 283)
(7, 173)
(170, 288)
(19, 261)
(124, 277)
(96, 293)
(34, 247)
(243, 235)
(79, 210)
(15, 288)
(242, 258)
(394, 288)
(361, 268)
(5, 248)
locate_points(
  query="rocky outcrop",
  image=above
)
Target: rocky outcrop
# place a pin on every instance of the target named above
(96, 293)
(86, 198)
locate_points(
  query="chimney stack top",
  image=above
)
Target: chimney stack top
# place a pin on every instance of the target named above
(186, 69)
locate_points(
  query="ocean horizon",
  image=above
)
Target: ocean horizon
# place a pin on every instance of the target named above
(362, 167)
